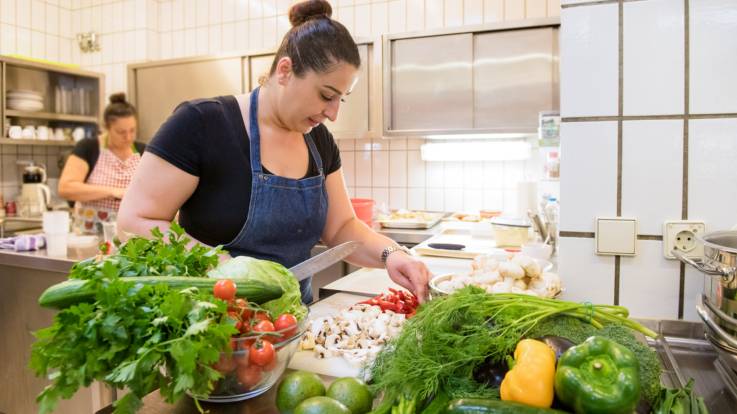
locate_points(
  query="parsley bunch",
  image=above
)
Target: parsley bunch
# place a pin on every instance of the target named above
(134, 336)
(162, 255)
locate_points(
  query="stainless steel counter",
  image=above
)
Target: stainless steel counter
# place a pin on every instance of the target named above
(685, 354)
(41, 261)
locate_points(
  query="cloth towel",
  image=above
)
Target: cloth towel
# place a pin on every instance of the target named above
(23, 243)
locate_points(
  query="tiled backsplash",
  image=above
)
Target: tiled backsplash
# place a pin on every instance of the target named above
(649, 107)
(47, 155)
(391, 172)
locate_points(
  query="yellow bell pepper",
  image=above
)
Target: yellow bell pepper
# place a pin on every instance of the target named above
(532, 378)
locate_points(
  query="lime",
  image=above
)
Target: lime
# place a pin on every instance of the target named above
(353, 393)
(321, 405)
(297, 387)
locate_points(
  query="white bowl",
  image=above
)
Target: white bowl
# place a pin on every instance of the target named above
(540, 251)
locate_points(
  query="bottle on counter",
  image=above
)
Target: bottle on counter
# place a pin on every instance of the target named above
(552, 216)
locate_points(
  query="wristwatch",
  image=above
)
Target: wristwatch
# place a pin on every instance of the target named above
(391, 249)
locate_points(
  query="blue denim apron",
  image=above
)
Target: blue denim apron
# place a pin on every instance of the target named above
(286, 217)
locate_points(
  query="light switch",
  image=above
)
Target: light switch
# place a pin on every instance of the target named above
(616, 236)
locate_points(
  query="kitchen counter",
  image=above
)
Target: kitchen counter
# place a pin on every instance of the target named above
(23, 277)
(39, 260)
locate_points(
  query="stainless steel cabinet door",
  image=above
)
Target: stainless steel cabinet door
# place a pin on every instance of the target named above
(431, 85)
(353, 117)
(160, 89)
(514, 78)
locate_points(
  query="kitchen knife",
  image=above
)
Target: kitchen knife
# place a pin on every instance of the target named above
(324, 260)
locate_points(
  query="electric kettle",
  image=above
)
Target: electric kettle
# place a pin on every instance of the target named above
(35, 194)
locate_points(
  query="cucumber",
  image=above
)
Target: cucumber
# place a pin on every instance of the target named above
(481, 406)
(73, 291)
(438, 403)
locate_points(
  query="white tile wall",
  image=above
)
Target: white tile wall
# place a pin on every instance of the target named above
(588, 174)
(711, 174)
(694, 286)
(588, 61)
(713, 40)
(653, 57)
(585, 276)
(655, 196)
(34, 28)
(649, 284)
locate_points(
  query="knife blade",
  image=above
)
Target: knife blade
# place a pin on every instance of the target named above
(324, 260)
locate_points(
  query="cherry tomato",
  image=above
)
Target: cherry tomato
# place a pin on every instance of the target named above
(225, 364)
(241, 306)
(249, 375)
(261, 353)
(265, 326)
(224, 289)
(261, 316)
(271, 365)
(287, 324)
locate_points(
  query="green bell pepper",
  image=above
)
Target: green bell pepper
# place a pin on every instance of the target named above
(598, 376)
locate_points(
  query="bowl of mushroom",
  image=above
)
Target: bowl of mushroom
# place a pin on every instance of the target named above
(502, 274)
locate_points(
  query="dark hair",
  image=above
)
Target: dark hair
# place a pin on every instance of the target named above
(315, 41)
(118, 107)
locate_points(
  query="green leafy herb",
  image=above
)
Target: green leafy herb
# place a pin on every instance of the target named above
(163, 254)
(134, 336)
(439, 348)
(680, 401)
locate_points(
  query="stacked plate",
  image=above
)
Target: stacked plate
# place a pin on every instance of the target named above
(25, 100)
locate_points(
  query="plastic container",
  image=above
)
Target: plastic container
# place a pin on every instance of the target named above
(552, 166)
(510, 232)
(364, 208)
(235, 367)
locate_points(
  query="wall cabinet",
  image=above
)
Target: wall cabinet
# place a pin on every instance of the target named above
(156, 88)
(68, 98)
(492, 78)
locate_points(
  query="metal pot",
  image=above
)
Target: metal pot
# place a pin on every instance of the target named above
(720, 292)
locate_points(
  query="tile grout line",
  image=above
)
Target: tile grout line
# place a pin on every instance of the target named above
(686, 111)
(620, 110)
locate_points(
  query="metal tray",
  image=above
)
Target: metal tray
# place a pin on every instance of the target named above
(412, 223)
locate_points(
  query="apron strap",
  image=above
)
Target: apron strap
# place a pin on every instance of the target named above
(255, 135)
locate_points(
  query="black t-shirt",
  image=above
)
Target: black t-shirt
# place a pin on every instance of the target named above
(207, 138)
(88, 149)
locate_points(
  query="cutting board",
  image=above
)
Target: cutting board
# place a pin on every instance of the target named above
(475, 245)
(334, 366)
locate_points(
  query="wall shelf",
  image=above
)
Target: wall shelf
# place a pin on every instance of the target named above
(8, 141)
(51, 116)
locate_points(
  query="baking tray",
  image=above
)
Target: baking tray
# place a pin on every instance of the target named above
(412, 223)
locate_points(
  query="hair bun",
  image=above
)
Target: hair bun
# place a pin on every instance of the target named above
(117, 98)
(308, 10)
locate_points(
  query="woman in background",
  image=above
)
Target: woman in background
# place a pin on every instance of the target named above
(99, 170)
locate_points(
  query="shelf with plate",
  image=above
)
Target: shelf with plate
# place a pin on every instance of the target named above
(51, 142)
(51, 116)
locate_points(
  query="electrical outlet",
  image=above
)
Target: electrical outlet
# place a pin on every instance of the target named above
(681, 235)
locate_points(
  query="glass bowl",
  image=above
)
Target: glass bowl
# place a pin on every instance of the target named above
(243, 380)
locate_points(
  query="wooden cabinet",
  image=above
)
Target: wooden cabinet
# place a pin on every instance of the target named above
(69, 98)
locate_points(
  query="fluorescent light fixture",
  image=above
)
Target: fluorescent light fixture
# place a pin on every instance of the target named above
(480, 136)
(476, 151)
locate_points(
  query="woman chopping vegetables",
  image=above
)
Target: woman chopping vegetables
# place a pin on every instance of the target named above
(259, 173)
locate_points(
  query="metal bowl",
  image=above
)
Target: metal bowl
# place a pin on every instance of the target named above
(436, 292)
